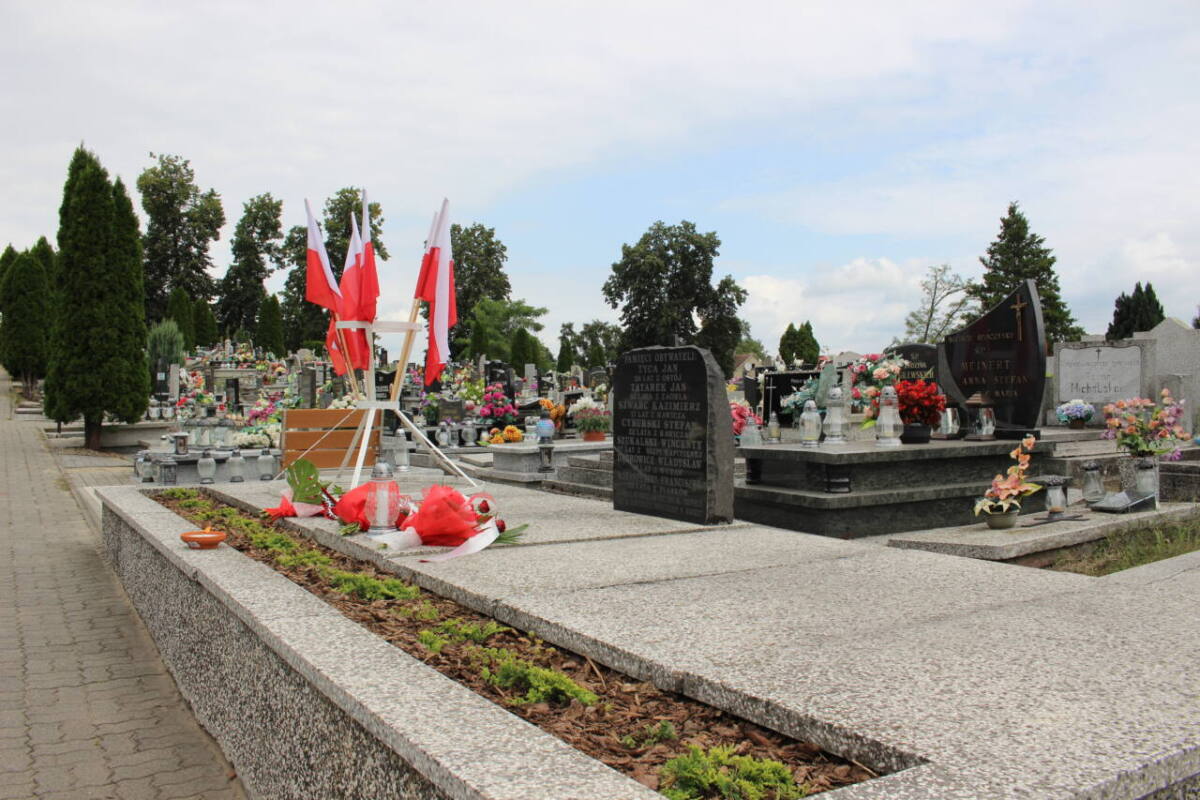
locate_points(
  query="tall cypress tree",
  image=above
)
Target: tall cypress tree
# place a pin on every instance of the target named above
(522, 350)
(90, 350)
(1121, 326)
(807, 348)
(269, 335)
(6, 258)
(181, 309)
(24, 300)
(130, 321)
(1149, 312)
(787, 345)
(205, 323)
(1016, 255)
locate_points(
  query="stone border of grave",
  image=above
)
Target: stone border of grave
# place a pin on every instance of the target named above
(306, 703)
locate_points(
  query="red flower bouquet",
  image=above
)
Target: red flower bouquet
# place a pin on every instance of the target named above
(920, 402)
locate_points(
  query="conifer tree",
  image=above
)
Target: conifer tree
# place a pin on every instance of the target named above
(130, 323)
(522, 350)
(787, 345)
(1121, 326)
(256, 254)
(566, 351)
(1148, 312)
(1140, 311)
(44, 253)
(24, 335)
(181, 309)
(205, 323)
(269, 334)
(1016, 255)
(90, 352)
(807, 348)
(6, 258)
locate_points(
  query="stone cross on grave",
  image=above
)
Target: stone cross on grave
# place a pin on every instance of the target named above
(1017, 307)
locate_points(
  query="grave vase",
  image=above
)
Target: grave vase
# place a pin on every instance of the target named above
(1004, 520)
(1077, 424)
(915, 433)
(593, 436)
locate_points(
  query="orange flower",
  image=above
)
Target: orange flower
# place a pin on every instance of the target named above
(1028, 442)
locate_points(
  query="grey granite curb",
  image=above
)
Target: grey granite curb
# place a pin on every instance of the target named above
(976, 541)
(378, 723)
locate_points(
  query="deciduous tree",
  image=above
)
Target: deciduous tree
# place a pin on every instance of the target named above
(256, 250)
(182, 223)
(479, 259)
(663, 284)
(943, 308)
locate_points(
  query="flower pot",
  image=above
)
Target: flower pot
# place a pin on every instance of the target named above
(1077, 424)
(1003, 520)
(202, 540)
(593, 436)
(915, 434)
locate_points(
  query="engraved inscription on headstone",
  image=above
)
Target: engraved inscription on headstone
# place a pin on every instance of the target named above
(672, 442)
(1002, 356)
(921, 358)
(1099, 375)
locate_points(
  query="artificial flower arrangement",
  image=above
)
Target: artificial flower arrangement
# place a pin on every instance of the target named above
(1142, 428)
(496, 406)
(442, 518)
(868, 376)
(921, 403)
(1005, 493)
(558, 412)
(1074, 410)
(741, 413)
(510, 434)
(590, 416)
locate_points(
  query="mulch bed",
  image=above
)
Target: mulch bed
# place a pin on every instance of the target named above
(627, 707)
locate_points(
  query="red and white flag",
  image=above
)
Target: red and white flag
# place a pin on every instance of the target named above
(356, 338)
(320, 285)
(435, 286)
(369, 283)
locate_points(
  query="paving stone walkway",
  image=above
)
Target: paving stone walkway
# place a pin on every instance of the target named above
(87, 709)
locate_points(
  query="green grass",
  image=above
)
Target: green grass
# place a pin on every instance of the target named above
(508, 671)
(1133, 548)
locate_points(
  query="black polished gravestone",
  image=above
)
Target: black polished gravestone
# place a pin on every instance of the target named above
(1002, 357)
(921, 358)
(672, 436)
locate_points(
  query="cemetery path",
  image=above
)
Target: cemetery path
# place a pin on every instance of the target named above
(87, 709)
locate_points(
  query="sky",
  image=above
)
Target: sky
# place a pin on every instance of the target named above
(837, 149)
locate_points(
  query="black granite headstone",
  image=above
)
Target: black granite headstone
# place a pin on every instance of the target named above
(501, 373)
(383, 385)
(921, 358)
(1002, 356)
(672, 436)
(451, 410)
(778, 385)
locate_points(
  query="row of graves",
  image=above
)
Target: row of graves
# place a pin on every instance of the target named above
(983, 396)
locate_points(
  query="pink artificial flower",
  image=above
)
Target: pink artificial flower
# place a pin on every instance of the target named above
(880, 373)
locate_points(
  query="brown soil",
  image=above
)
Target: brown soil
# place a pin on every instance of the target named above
(627, 706)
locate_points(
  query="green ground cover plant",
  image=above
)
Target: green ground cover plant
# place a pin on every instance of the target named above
(1127, 549)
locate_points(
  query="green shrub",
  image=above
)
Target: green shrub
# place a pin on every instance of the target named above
(304, 558)
(540, 684)
(431, 641)
(664, 731)
(367, 588)
(719, 773)
(460, 630)
(180, 493)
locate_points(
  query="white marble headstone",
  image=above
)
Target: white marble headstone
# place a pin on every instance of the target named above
(1099, 375)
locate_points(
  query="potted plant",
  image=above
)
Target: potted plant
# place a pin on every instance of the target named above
(1146, 430)
(592, 419)
(1002, 501)
(921, 407)
(1075, 413)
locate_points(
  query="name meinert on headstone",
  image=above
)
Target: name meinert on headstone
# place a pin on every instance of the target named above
(672, 436)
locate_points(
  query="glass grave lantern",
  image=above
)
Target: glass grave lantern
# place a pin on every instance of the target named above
(168, 411)
(180, 443)
(810, 425)
(948, 423)
(1093, 483)
(836, 425)
(1056, 496)
(168, 471)
(468, 436)
(982, 417)
(266, 465)
(887, 423)
(383, 501)
(774, 434)
(144, 466)
(545, 433)
(153, 411)
(237, 466)
(206, 466)
(751, 435)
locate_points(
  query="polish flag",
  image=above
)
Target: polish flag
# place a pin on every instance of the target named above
(320, 285)
(436, 287)
(334, 348)
(356, 338)
(369, 282)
